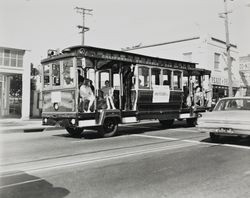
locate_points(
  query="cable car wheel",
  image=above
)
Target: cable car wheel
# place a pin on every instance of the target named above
(109, 127)
(166, 123)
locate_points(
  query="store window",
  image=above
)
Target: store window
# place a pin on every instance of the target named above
(143, 78)
(216, 61)
(6, 57)
(15, 95)
(13, 59)
(1, 56)
(20, 59)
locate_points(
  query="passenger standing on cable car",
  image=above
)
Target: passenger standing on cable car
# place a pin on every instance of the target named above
(80, 78)
(127, 80)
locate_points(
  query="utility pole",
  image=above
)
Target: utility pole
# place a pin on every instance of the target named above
(229, 59)
(84, 29)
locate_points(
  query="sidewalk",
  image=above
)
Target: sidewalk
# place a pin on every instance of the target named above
(19, 125)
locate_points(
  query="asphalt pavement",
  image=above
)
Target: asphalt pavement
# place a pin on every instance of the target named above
(145, 160)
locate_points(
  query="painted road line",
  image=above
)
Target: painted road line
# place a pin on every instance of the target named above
(177, 139)
(236, 146)
(155, 137)
(21, 183)
(194, 141)
(194, 130)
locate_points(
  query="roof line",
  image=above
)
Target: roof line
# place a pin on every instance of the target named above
(14, 48)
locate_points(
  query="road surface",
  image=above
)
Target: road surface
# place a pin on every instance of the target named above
(144, 161)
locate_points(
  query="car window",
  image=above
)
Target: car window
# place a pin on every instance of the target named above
(246, 104)
(232, 104)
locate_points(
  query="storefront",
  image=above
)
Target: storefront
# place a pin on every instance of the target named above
(14, 83)
(219, 92)
(11, 95)
(245, 73)
(220, 88)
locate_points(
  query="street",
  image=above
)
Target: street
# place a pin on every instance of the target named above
(145, 160)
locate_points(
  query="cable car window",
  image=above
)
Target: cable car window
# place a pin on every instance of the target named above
(166, 77)
(104, 76)
(46, 76)
(68, 72)
(116, 81)
(143, 78)
(56, 74)
(177, 80)
(155, 76)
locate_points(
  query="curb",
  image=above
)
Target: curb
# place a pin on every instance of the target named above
(29, 129)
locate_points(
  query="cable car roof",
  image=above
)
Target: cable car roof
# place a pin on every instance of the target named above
(118, 55)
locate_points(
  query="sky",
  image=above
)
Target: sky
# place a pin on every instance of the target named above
(39, 25)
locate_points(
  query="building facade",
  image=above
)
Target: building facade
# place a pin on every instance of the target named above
(208, 52)
(14, 83)
(245, 72)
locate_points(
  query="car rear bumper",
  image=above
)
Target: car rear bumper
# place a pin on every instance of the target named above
(225, 129)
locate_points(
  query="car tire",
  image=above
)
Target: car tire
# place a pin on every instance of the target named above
(191, 122)
(75, 132)
(214, 137)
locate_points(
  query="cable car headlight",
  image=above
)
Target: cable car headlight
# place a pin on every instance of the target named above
(73, 121)
(56, 106)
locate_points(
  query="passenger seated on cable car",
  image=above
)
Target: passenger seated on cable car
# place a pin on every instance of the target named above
(108, 95)
(198, 97)
(166, 82)
(87, 95)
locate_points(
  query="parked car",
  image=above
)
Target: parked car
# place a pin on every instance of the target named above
(230, 117)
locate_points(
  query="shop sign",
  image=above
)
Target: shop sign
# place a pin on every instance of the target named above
(219, 81)
(245, 66)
